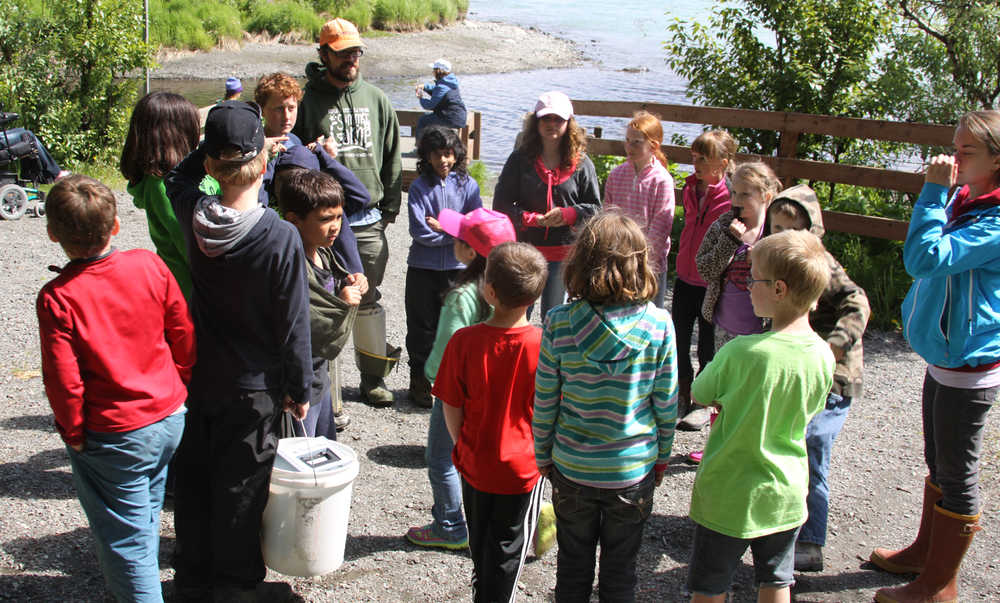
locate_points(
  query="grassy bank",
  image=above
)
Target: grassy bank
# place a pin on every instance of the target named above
(202, 24)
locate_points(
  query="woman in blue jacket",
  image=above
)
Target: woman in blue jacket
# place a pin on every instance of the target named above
(951, 317)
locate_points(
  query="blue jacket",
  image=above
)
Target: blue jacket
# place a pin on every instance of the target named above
(951, 315)
(445, 101)
(428, 195)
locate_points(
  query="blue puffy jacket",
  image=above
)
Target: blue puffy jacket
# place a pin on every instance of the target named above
(951, 315)
(445, 101)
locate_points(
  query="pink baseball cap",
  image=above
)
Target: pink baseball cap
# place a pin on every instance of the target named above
(554, 103)
(483, 229)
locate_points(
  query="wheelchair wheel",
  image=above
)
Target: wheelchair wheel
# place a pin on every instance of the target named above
(13, 202)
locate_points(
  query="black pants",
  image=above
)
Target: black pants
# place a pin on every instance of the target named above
(223, 468)
(501, 527)
(586, 516)
(686, 310)
(424, 297)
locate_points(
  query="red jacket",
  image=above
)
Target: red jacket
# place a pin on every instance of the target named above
(697, 220)
(117, 344)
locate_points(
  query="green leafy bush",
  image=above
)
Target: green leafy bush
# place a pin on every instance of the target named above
(481, 174)
(64, 68)
(284, 17)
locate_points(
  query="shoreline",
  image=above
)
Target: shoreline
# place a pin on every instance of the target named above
(473, 47)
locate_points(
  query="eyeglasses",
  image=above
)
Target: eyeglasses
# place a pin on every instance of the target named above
(347, 53)
(749, 282)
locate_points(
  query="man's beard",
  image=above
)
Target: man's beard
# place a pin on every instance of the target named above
(344, 73)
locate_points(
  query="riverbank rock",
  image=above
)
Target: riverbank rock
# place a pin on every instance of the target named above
(471, 46)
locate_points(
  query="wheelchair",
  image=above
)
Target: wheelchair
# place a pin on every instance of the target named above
(17, 195)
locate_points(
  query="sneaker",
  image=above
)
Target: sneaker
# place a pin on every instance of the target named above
(425, 536)
(695, 420)
(694, 458)
(808, 557)
(545, 532)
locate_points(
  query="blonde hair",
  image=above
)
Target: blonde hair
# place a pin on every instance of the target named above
(798, 258)
(230, 173)
(652, 129)
(984, 127)
(715, 144)
(758, 175)
(609, 262)
(571, 148)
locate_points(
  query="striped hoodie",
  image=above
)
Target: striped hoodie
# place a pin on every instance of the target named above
(605, 393)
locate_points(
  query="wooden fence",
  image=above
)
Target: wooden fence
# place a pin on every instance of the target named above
(791, 126)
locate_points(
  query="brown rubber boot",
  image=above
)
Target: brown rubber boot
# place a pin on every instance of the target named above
(911, 559)
(683, 398)
(951, 535)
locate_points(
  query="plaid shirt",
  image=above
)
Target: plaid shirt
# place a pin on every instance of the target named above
(647, 198)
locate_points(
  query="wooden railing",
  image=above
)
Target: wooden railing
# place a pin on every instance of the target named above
(471, 136)
(791, 126)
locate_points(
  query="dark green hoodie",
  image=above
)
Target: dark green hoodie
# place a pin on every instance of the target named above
(364, 124)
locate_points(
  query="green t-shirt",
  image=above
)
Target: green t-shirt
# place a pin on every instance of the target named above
(461, 308)
(754, 475)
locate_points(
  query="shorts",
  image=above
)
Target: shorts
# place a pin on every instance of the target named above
(716, 556)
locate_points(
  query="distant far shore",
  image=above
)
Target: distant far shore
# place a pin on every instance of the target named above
(471, 46)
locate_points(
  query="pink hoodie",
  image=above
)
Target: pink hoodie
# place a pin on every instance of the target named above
(697, 219)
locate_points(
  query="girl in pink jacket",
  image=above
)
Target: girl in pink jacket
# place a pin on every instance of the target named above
(705, 198)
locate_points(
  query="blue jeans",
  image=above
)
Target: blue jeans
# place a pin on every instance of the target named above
(820, 434)
(586, 516)
(120, 480)
(446, 486)
(554, 292)
(715, 557)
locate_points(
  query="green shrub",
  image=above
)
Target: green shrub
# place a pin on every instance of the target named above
(416, 14)
(284, 17)
(482, 175)
(193, 24)
(64, 68)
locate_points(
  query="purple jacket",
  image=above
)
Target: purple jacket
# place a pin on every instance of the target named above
(428, 195)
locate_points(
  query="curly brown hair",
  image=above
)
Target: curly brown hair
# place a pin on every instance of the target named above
(571, 148)
(609, 262)
(277, 84)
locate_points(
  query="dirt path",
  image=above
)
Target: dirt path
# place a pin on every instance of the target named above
(471, 46)
(46, 552)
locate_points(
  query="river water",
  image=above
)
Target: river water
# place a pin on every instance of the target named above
(624, 60)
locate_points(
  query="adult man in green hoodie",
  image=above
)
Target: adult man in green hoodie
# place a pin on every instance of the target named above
(339, 104)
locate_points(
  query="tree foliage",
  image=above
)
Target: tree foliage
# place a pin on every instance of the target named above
(64, 67)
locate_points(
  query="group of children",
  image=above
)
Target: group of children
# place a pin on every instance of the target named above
(590, 401)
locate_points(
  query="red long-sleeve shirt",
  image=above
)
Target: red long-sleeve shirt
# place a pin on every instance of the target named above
(117, 344)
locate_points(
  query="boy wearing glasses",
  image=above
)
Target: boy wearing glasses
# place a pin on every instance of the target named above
(750, 489)
(339, 104)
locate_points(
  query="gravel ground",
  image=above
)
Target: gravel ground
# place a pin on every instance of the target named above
(46, 552)
(471, 46)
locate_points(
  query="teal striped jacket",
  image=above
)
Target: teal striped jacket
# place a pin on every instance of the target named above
(605, 393)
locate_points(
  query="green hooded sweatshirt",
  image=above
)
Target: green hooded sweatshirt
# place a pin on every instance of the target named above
(149, 194)
(364, 124)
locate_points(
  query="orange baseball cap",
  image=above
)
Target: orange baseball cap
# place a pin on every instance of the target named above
(340, 34)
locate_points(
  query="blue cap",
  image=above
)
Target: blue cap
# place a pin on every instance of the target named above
(297, 156)
(233, 85)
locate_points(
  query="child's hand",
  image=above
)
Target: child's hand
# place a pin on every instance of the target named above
(552, 218)
(433, 224)
(942, 170)
(351, 294)
(659, 477)
(77, 447)
(358, 279)
(329, 144)
(737, 228)
(275, 145)
(420, 90)
(545, 471)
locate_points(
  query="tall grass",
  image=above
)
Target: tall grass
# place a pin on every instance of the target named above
(202, 24)
(284, 17)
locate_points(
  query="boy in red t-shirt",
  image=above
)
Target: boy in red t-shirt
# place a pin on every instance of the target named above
(487, 383)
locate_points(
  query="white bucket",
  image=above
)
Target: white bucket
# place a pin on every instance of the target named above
(305, 521)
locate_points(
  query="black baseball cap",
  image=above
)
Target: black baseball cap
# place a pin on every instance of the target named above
(234, 125)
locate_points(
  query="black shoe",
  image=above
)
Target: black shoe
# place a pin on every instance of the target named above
(420, 390)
